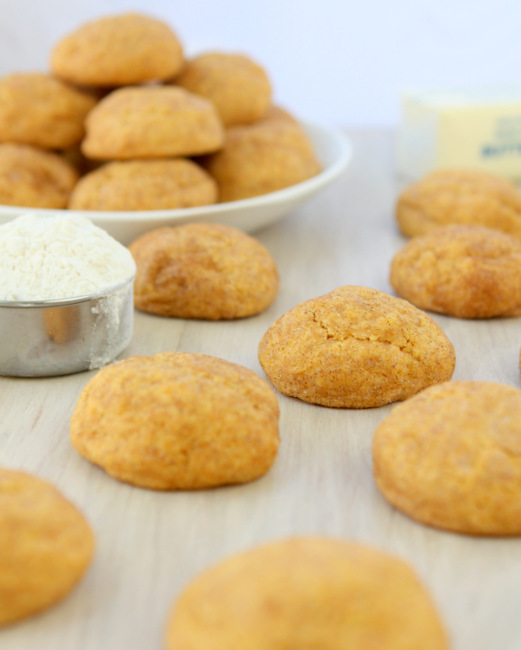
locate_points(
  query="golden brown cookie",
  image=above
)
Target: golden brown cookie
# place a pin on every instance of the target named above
(237, 86)
(152, 122)
(263, 157)
(177, 421)
(34, 178)
(38, 110)
(45, 545)
(459, 196)
(275, 112)
(306, 593)
(462, 271)
(118, 50)
(451, 458)
(144, 185)
(203, 270)
(355, 347)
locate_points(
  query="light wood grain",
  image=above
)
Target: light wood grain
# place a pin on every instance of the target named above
(150, 544)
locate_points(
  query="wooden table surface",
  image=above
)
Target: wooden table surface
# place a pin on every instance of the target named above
(149, 544)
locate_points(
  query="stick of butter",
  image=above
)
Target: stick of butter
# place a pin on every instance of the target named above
(476, 128)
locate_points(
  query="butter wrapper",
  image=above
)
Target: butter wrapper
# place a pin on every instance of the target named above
(477, 128)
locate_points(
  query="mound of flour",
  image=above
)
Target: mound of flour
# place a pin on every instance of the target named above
(45, 258)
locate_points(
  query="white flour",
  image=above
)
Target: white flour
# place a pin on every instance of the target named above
(45, 258)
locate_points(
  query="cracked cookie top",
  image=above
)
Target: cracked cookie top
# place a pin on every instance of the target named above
(462, 271)
(451, 457)
(355, 347)
(203, 270)
(177, 420)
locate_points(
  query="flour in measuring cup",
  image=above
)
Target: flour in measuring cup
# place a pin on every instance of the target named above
(57, 257)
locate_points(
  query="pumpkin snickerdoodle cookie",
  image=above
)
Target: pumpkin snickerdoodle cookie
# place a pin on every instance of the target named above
(45, 545)
(263, 157)
(203, 270)
(177, 421)
(41, 111)
(144, 185)
(462, 271)
(237, 86)
(459, 196)
(355, 347)
(118, 50)
(152, 122)
(34, 178)
(304, 594)
(450, 457)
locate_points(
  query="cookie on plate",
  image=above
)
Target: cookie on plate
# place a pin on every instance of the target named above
(277, 113)
(203, 270)
(462, 196)
(41, 111)
(152, 122)
(45, 545)
(260, 158)
(355, 347)
(118, 50)
(451, 458)
(177, 421)
(237, 86)
(144, 185)
(34, 178)
(304, 594)
(462, 271)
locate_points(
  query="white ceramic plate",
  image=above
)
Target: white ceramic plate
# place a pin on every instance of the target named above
(331, 146)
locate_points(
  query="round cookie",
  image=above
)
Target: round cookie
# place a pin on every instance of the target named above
(41, 111)
(152, 122)
(144, 185)
(237, 86)
(304, 594)
(260, 158)
(177, 421)
(118, 50)
(451, 458)
(34, 178)
(203, 270)
(45, 546)
(278, 113)
(462, 271)
(355, 347)
(459, 196)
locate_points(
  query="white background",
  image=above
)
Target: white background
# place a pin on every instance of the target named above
(338, 62)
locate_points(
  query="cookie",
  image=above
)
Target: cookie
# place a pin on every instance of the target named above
(34, 178)
(203, 270)
(277, 113)
(304, 594)
(144, 185)
(459, 196)
(462, 271)
(355, 347)
(152, 122)
(118, 50)
(45, 546)
(451, 458)
(237, 86)
(41, 111)
(260, 158)
(177, 421)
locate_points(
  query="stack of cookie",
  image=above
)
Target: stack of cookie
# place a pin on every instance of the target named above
(145, 128)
